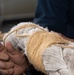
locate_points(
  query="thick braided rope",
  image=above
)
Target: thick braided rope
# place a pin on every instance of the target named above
(37, 44)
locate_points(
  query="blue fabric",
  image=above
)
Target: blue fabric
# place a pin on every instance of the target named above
(28, 73)
(57, 15)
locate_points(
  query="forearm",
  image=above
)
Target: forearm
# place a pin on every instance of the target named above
(53, 14)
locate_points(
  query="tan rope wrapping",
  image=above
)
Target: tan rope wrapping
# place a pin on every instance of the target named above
(38, 42)
(1, 36)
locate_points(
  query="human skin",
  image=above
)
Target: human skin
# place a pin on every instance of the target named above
(12, 61)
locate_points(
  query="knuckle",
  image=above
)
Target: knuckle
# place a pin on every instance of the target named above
(8, 65)
(4, 56)
(2, 65)
(10, 71)
(4, 72)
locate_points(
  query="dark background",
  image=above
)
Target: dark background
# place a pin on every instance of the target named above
(8, 24)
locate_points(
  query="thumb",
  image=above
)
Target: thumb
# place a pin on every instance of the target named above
(11, 49)
(15, 55)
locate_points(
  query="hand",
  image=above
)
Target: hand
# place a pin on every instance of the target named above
(18, 59)
(6, 66)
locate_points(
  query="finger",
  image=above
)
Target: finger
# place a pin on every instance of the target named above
(18, 59)
(1, 47)
(19, 70)
(11, 49)
(9, 65)
(7, 72)
(4, 56)
(15, 55)
(6, 65)
(11, 71)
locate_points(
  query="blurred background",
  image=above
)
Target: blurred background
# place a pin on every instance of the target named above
(15, 11)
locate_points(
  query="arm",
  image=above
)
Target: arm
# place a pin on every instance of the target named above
(53, 14)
